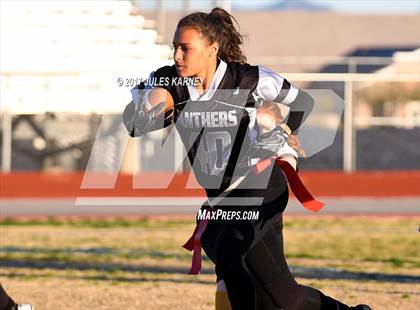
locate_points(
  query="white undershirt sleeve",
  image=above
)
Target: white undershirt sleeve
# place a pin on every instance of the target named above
(273, 87)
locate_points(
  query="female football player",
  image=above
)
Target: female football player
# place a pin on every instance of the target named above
(269, 115)
(216, 120)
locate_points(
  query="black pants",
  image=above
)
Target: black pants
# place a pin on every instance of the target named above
(6, 302)
(249, 254)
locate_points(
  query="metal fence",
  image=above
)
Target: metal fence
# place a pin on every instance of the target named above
(350, 121)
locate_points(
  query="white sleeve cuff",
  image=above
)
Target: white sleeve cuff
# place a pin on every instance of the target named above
(288, 150)
(270, 87)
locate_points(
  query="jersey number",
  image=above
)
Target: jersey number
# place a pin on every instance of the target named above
(212, 150)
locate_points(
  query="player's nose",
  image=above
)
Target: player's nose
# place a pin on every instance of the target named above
(177, 55)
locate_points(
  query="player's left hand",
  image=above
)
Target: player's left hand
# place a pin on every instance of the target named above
(271, 142)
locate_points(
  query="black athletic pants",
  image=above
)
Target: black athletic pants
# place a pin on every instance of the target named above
(249, 254)
(6, 302)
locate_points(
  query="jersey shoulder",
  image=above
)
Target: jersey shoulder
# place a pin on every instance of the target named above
(243, 75)
(166, 71)
(243, 68)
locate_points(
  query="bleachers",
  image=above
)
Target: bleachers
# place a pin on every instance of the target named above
(66, 56)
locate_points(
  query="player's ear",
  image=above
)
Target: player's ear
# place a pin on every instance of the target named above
(213, 49)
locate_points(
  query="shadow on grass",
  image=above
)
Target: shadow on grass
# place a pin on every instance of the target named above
(110, 267)
(93, 253)
(104, 277)
(366, 290)
(337, 274)
(300, 272)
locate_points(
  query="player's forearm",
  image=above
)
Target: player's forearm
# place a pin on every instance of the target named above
(158, 97)
(300, 109)
(148, 111)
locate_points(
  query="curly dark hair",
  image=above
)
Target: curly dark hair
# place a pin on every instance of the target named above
(217, 26)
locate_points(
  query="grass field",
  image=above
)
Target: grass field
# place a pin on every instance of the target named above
(138, 263)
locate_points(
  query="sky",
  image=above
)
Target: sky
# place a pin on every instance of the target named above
(351, 6)
(371, 6)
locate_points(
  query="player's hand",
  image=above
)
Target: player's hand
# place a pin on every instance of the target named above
(272, 141)
(294, 142)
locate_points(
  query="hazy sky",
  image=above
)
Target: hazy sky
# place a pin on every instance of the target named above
(371, 6)
(360, 6)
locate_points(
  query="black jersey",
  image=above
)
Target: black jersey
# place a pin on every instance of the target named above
(218, 127)
(215, 130)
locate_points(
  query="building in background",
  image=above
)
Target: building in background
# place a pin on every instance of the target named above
(60, 62)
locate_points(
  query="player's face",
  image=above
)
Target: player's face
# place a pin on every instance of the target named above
(192, 52)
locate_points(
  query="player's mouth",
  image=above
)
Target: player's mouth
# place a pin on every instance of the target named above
(181, 69)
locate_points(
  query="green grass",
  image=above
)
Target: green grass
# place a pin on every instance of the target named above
(387, 245)
(93, 223)
(140, 264)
